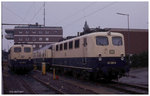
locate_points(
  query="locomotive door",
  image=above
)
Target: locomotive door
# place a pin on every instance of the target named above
(84, 60)
(52, 54)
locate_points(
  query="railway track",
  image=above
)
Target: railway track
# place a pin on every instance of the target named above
(27, 86)
(36, 86)
(63, 86)
(120, 87)
(128, 88)
(47, 85)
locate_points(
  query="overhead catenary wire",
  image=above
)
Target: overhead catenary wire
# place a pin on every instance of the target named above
(28, 11)
(92, 13)
(74, 14)
(13, 12)
(36, 13)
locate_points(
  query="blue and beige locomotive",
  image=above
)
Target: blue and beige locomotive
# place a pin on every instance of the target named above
(21, 58)
(97, 55)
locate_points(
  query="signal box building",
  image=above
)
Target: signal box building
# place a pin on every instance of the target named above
(36, 35)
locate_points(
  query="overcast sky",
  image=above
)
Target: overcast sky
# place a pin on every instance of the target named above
(72, 15)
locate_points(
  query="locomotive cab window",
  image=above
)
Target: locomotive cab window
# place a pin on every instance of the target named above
(117, 41)
(27, 49)
(77, 43)
(101, 40)
(17, 49)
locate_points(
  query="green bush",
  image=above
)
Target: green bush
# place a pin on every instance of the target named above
(140, 60)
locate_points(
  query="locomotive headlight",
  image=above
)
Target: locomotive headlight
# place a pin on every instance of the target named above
(100, 57)
(122, 58)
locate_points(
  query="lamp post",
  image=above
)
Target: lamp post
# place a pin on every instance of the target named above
(128, 34)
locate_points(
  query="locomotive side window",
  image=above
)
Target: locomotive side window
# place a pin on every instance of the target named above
(17, 49)
(117, 41)
(101, 40)
(85, 42)
(56, 47)
(61, 46)
(27, 49)
(70, 44)
(65, 46)
(77, 43)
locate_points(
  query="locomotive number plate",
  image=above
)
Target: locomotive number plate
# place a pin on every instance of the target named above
(111, 62)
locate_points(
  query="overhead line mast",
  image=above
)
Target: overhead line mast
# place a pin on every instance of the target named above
(44, 13)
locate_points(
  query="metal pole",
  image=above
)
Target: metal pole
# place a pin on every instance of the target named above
(128, 35)
(44, 13)
(128, 39)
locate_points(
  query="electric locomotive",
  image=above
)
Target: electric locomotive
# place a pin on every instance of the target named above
(20, 58)
(99, 55)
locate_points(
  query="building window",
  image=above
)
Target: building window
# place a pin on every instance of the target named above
(34, 46)
(40, 46)
(40, 39)
(40, 32)
(34, 39)
(33, 32)
(20, 32)
(27, 39)
(27, 32)
(20, 39)
(46, 39)
(46, 32)
(55, 31)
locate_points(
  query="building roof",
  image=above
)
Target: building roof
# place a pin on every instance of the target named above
(37, 26)
(125, 29)
(9, 31)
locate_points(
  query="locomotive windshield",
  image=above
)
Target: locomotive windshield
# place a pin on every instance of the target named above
(117, 41)
(101, 40)
(17, 49)
(27, 49)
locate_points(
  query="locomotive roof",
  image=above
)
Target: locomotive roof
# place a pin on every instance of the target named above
(18, 45)
(91, 34)
(43, 48)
